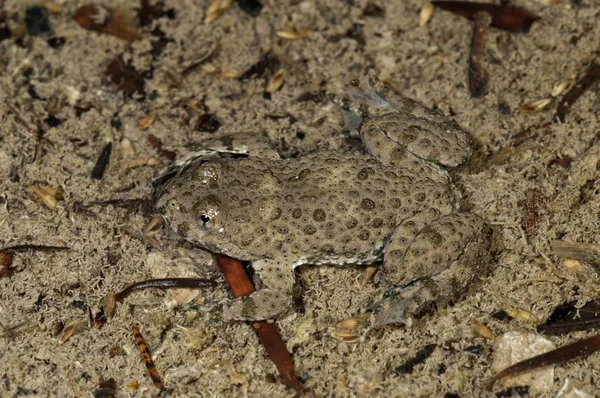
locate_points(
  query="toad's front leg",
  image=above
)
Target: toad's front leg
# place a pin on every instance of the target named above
(273, 298)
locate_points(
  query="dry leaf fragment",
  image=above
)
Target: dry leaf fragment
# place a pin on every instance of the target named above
(591, 77)
(215, 9)
(146, 121)
(70, 329)
(521, 315)
(537, 105)
(514, 19)
(560, 87)
(345, 336)
(425, 14)
(118, 22)
(293, 33)
(126, 148)
(125, 77)
(482, 330)
(352, 323)
(276, 81)
(230, 73)
(48, 196)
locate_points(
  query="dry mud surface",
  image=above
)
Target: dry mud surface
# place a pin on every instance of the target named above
(59, 108)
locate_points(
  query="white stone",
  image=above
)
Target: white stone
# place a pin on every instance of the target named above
(513, 347)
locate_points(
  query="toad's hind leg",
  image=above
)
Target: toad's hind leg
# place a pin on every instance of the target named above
(436, 263)
(273, 298)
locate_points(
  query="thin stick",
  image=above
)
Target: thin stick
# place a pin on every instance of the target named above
(147, 357)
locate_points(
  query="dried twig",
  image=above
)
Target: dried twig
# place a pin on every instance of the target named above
(514, 19)
(478, 76)
(267, 332)
(591, 76)
(102, 162)
(145, 351)
(111, 299)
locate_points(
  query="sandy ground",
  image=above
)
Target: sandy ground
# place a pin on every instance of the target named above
(44, 80)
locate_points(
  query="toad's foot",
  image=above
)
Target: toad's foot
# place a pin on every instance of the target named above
(273, 298)
(433, 263)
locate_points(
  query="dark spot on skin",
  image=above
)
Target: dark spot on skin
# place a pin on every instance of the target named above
(187, 194)
(328, 249)
(339, 206)
(351, 223)
(276, 214)
(303, 174)
(364, 173)
(435, 238)
(282, 230)
(289, 198)
(377, 223)
(309, 230)
(364, 235)
(319, 215)
(367, 204)
(296, 213)
(420, 196)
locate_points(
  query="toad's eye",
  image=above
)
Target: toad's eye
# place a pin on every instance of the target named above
(206, 221)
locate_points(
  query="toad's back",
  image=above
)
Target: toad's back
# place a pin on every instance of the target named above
(324, 208)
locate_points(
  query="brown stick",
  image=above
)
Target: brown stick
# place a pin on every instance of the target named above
(147, 357)
(478, 75)
(267, 332)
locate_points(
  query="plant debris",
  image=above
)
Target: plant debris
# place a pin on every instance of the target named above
(514, 19)
(125, 77)
(157, 144)
(215, 9)
(585, 252)
(574, 350)
(420, 357)
(266, 62)
(425, 14)
(6, 260)
(149, 12)
(267, 332)
(102, 162)
(478, 76)
(118, 22)
(294, 33)
(36, 21)
(208, 123)
(533, 201)
(590, 78)
(147, 357)
(33, 248)
(106, 389)
(536, 105)
(568, 318)
(69, 330)
(483, 330)
(110, 300)
(48, 195)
